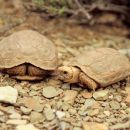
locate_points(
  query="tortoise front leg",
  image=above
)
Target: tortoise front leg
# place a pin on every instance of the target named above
(85, 80)
(17, 70)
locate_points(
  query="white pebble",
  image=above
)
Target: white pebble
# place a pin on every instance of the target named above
(8, 94)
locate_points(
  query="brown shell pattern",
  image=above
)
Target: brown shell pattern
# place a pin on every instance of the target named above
(28, 46)
(104, 65)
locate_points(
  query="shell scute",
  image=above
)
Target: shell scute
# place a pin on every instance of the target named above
(103, 65)
(28, 46)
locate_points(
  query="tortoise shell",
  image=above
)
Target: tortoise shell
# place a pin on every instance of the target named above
(104, 65)
(30, 47)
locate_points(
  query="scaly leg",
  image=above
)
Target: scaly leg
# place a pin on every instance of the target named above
(85, 80)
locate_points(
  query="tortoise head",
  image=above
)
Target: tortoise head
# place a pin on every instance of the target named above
(68, 74)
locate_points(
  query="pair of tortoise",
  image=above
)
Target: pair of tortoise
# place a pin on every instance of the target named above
(28, 55)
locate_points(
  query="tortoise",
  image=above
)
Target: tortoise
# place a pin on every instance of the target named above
(27, 55)
(96, 68)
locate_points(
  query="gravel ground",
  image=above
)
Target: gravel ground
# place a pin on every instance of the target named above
(54, 105)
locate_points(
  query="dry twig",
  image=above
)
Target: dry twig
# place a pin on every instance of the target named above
(83, 10)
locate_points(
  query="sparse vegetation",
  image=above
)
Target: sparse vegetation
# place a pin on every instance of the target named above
(83, 9)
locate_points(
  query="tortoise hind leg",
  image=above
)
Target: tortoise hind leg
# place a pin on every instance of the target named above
(85, 80)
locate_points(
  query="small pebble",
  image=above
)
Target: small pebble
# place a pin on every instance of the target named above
(31, 103)
(15, 116)
(49, 114)
(115, 105)
(35, 117)
(107, 113)
(69, 96)
(127, 100)
(25, 110)
(118, 98)
(1, 113)
(101, 95)
(93, 112)
(77, 128)
(65, 126)
(60, 114)
(89, 103)
(50, 92)
(16, 122)
(26, 127)
(8, 94)
(86, 94)
(72, 111)
(127, 88)
(128, 110)
(94, 126)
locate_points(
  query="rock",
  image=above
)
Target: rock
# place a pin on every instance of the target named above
(8, 94)
(94, 126)
(69, 96)
(74, 87)
(101, 116)
(5, 109)
(118, 98)
(72, 111)
(115, 105)
(25, 117)
(123, 105)
(86, 94)
(31, 103)
(77, 128)
(15, 116)
(60, 114)
(59, 104)
(65, 126)
(107, 113)
(127, 100)
(128, 110)
(127, 88)
(80, 100)
(26, 127)
(3, 119)
(50, 92)
(65, 106)
(35, 116)
(16, 122)
(1, 113)
(35, 87)
(65, 86)
(96, 105)
(93, 112)
(25, 110)
(101, 95)
(110, 97)
(49, 114)
(125, 52)
(122, 112)
(33, 93)
(67, 115)
(89, 103)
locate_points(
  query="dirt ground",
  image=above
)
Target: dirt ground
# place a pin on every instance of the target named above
(70, 106)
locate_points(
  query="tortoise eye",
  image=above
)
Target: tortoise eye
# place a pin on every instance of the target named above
(65, 72)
